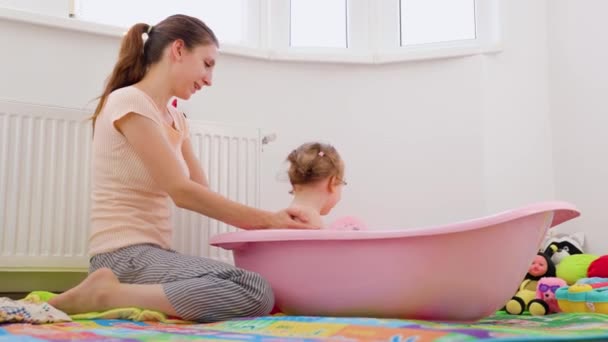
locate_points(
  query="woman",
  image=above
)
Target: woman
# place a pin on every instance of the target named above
(142, 158)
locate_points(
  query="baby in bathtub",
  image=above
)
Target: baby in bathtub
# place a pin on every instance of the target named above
(316, 173)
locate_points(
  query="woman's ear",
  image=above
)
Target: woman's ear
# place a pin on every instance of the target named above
(177, 49)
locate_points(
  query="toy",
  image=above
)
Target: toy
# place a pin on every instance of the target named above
(574, 267)
(545, 301)
(587, 295)
(558, 246)
(598, 268)
(542, 266)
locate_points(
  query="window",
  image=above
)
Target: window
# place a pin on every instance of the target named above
(436, 21)
(318, 23)
(228, 18)
(356, 31)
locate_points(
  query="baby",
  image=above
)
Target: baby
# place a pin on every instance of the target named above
(316, 173)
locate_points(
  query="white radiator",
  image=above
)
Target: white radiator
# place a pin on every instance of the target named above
(45, 185)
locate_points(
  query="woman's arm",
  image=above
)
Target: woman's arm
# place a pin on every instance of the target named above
(150, 145)
(196, 171)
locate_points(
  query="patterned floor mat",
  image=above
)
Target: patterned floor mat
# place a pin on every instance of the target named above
(559, 327)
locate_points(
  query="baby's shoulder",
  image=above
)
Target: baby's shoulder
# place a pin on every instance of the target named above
(314, 218)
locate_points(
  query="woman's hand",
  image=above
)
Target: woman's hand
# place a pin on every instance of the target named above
(293, 218)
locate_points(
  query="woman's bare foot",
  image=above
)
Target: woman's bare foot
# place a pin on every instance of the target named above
(92, 294)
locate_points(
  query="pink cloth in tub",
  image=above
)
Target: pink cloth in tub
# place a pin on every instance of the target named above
(348, 223)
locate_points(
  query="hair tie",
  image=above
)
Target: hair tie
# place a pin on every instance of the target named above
(321, 153)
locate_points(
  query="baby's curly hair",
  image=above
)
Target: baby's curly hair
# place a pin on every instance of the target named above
(314, 161)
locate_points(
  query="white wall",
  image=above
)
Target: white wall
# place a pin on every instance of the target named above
(578, 53)
(59, 8)
(424, 142)
(518, 157)
(411, 135)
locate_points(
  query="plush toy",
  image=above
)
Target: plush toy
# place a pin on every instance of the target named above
(575, 267)
(558, 246)
(545, 301)
(542, 266)
(587, 295)
(598, 268)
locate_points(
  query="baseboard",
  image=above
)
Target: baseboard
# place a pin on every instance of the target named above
(19, 282)
(13, 295)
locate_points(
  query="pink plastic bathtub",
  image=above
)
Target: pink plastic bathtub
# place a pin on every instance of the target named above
(456, 272)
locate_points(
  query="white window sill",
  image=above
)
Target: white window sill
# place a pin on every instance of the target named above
(321, 55)
(329, 55)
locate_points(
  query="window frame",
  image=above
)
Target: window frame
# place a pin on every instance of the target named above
(374, 38)
(250, 34)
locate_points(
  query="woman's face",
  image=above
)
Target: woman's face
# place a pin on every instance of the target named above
(193, 69)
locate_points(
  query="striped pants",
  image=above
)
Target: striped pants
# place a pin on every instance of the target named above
(199, 289)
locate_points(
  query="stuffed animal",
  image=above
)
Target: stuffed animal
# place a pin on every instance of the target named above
(545, 301)
(558, 246)
(542, 266)
(598, 268)
(587, 295)
(575, 267)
